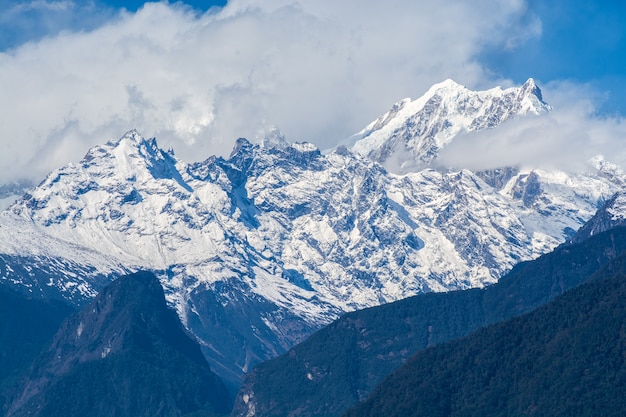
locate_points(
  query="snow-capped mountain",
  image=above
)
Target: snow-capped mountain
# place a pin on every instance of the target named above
(258, 250)
(411, 134)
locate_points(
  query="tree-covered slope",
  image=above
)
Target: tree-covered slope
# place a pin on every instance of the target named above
(124, 354)
(567, 358)
(340, 365)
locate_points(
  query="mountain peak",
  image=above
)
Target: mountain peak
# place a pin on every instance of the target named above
(132, 142)
(530, 83)
(530, 90)
(448, 84)
(132, 136)
(135, 153)
(120, 172)
(241, 145)
(413, 132)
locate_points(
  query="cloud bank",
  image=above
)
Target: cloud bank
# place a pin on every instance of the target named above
(319, 70)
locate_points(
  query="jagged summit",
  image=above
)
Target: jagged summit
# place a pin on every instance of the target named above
(131, 152)
(241, 145)
(530, 87)
(532, 99)
(132, 136)
(411, 134)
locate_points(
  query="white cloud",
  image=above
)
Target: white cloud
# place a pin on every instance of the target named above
(39, 5)
(320, 70)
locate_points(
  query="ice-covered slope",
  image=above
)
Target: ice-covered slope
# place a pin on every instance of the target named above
(258, 250)
(411, 134)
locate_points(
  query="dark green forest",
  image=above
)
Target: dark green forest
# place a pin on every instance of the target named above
(567, 358)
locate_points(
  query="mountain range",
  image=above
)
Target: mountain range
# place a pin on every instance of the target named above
(341, 364)
(259, 250)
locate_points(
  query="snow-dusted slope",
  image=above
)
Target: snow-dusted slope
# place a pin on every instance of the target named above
(258, 250)
(411, 134)
(612, 213)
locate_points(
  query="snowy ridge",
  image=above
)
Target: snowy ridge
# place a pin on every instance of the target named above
(617, 209)
(410, 135)
(611, 214)
(258, 250)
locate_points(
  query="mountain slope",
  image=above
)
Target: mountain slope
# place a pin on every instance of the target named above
(125, 353)
(258, 250)
(339, 365)
(566, 358)
(611, 214)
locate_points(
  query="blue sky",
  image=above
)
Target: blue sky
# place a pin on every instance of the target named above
(582, 41)
(30, 20)
(199, 74)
